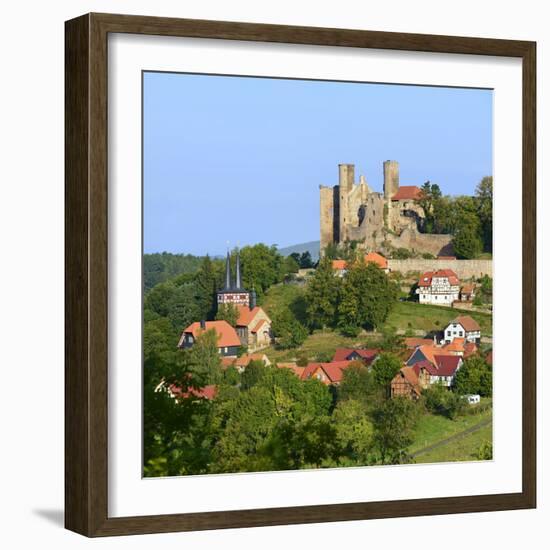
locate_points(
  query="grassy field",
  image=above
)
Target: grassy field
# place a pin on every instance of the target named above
(433, 428)
(319, 344)
(462, 449)
(285, 296)
(415, 316)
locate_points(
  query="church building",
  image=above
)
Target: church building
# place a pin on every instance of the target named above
(253, 324)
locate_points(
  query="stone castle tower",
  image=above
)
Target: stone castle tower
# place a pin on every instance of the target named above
(352, 211)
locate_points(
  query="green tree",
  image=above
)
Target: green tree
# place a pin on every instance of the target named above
(253, 373)
(262, 266)
(183, 308)
(358, 384)
(291, 265)
(354, 432)
(322, 295)
(305, 260)
(367, 297)
(208, 282)
(394, 422)
(484, 197)
(287, 330)
(475, 377)
(430, 194)
(229, 313)
(466, 241)
(439, 400)
(204, 359)
(385, 367)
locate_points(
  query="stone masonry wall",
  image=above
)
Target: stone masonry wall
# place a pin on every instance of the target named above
(463, 268)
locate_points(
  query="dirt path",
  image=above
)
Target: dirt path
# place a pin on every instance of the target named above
(454, 437)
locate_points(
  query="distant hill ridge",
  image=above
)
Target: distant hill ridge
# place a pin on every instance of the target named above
(312, 247)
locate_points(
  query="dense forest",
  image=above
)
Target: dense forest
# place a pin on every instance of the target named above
(160, 267)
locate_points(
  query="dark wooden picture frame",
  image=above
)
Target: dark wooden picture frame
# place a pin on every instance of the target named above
(86, 318)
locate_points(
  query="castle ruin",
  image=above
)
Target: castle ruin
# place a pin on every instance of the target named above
(352, 211)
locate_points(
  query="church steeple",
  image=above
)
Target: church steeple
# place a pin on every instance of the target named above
(238, 282)
(228, 285)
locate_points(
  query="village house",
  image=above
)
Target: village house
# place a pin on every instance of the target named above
(328, 373)
(440, 364)
(459, 346)
(408, 383)
(440, 288)
(341, 266)
(352, 354)
(240, 363)
(228, 341)
(463, 327)
(441, 370)
(206, 392)
(254, 328)
(468, 292)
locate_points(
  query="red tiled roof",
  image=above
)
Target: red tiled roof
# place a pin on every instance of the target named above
(467, 323)
(411, 377)
(246, 315)
(227, 335)
(298, 371)
(259, 325)
(423, 364)
(244, 360)
(469, 349)
(342, 354)
(371, 257)
(207, 392)
(333, 370)
(447, 364)
(426, 278)
(413, 342)
(429, 352)
(407, 192)
(456, 345)
(377, 259)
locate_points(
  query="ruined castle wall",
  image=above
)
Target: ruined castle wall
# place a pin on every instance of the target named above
(437, 245)
(463, 268)
(327, 215)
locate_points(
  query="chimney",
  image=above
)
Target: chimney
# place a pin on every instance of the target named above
(203, 324)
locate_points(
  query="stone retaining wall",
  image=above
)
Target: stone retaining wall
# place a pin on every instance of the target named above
(463, 268)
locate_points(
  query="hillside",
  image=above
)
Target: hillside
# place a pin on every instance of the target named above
(312, 247)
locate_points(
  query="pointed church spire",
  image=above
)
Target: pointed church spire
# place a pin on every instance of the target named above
(227, 272)
(238, 283)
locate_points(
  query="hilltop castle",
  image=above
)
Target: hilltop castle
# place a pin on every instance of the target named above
(354, 212)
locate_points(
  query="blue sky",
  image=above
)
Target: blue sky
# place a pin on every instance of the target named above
(241, 159)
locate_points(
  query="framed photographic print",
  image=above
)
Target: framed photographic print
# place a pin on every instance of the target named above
(300, 275)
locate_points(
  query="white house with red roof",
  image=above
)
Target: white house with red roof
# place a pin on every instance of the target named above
(440, 288)
(465, 327)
